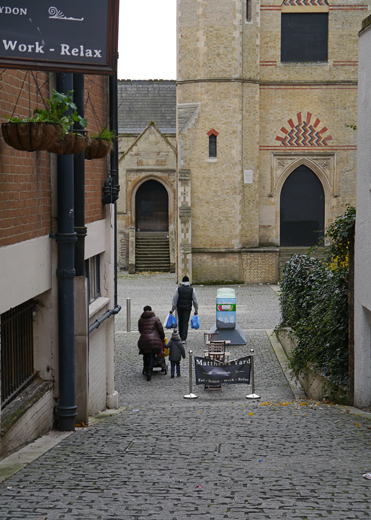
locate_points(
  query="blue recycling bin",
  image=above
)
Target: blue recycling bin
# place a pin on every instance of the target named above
(226, 308)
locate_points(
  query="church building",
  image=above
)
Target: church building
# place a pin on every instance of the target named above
(266, 115)
(147, 207)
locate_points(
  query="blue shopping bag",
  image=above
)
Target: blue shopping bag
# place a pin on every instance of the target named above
(174, 325)
(170, 322)
(195, 322)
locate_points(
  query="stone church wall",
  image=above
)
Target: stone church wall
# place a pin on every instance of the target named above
(270, 117)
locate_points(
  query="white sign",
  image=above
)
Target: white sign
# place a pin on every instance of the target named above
(248, 176)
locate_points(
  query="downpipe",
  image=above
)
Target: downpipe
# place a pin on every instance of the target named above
(103, 318)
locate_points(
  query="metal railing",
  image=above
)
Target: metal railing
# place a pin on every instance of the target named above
(17, 366)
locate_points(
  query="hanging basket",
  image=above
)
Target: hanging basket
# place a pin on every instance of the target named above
(71, 143)
(30, 137)
(97, 148)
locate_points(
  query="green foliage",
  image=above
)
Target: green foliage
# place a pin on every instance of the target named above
(338, 233)
(314, 303)
(62, 110)
(106, 135)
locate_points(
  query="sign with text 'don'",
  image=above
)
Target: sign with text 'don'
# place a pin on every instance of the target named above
(54, 35)
(209, 371)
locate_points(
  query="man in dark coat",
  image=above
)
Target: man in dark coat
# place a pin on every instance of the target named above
(151, 337)
(183, 299)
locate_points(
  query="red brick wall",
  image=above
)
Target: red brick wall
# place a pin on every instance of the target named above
(25, 203)
(95, 171)
(25, 211)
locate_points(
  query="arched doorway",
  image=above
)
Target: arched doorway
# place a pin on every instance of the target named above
(152, 246)
(152, 207)
(302, 209)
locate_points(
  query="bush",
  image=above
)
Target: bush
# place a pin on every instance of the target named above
(314, 303)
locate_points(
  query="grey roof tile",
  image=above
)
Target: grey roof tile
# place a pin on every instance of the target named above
(142, 101)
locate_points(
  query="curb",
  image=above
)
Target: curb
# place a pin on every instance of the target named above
(294, 383)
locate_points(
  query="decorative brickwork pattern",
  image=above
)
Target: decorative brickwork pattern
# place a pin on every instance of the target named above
(302, 3)
(304, 133)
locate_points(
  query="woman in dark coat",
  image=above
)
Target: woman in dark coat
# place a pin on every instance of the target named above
(151, 337)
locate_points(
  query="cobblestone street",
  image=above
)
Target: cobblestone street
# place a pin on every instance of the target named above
(220, 456)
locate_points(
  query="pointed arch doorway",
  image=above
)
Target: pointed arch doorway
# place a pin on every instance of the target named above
(302, 209)
(152, 227)
(152, 208)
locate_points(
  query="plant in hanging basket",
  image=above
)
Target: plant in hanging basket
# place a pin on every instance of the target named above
(99, 145)
(28, 134)
(72, 142)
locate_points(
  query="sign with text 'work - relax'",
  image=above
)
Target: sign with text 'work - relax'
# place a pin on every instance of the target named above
(211, 372)
(59, 35)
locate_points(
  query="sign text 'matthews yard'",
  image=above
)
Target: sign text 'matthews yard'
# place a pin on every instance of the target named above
(209, 371)
(60, 35)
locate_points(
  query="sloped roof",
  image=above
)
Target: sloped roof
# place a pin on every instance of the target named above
(142, 101)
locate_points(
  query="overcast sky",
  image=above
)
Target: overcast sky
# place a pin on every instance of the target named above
(147, 39)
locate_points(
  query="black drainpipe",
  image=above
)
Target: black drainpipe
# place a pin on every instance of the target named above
(111, 187)
(79, 184)
(66, 240)
(111, 190)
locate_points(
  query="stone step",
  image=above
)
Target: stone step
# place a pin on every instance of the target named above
(152, 252)
(160, 247)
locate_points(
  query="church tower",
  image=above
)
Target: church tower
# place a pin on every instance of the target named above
(266, 91)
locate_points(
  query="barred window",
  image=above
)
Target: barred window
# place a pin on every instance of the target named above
(16, 337)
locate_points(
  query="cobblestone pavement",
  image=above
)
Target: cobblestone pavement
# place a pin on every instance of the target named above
(219, 456)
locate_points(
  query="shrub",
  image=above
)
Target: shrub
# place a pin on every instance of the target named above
(314, 303)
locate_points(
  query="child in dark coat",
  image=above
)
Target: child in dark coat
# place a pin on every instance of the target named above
(176, 352)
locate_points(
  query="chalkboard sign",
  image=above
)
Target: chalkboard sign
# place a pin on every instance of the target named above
(59, 35)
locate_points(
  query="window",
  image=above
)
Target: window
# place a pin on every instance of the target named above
(212, 142)
(248, 10)
(93, 270)
(16, 339)
(304, 37)
(212, 145)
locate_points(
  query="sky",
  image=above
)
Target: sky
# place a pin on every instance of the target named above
(147, 39)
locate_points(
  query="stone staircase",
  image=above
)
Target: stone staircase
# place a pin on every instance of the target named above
(287, 252)
(152, 252)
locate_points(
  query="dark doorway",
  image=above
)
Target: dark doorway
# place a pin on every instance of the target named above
(302, 209)
(152, 207)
